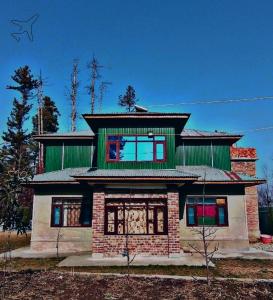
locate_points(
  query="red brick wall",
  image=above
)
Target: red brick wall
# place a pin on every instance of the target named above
(243, 161)
(113, 245)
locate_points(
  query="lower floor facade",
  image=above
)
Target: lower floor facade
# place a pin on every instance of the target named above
(147, 220)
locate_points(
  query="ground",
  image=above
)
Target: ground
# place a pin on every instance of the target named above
(42, 279)
(48, 285)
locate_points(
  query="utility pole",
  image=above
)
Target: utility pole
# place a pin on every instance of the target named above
(40, 124)
(93, 67)
(73, 93)
(102, 89)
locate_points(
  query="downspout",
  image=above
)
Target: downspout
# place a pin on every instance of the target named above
(211, 151)
(62, 155)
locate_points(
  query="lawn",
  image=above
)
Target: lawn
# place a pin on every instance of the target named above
(13, 241)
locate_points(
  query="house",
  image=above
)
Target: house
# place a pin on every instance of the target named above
(144, 174)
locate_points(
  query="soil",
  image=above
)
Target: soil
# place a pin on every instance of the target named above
(49, 285)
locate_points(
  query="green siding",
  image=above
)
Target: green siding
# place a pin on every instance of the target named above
(170, 148)
(196, 154)
(221, 157)
(76, 154)
(53, 157)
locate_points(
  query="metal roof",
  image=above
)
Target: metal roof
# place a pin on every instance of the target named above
(212, 174)
(197, 173)
(164, 173)
(203, 133)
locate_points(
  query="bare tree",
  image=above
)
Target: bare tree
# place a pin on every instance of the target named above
(74, 85)
(127, 251)
(265, 191)
(94, 68)
(207, 236)
(58, 238)
(40, 121)
(102, 90)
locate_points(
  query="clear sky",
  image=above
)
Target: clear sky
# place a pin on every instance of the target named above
(170, 51)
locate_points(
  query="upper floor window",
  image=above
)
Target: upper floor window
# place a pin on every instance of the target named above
(207, 211)
(136, 148)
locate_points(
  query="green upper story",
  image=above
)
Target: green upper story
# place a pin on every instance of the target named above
(137, 141)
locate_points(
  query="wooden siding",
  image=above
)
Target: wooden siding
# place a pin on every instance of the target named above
(68, 154)
(170, 149)
(206, 153)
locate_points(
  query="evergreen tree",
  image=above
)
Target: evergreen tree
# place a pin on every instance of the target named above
(50, 115)
(16, 157)
(129, 99)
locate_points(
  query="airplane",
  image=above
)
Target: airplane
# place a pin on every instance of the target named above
(24, 27)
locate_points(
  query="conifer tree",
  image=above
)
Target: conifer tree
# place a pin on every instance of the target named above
(16, 157)
(128, 100)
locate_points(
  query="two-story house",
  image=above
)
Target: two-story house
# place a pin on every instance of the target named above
(145, 175)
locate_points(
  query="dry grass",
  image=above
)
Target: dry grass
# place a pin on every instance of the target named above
(15, 241)
(224, 268)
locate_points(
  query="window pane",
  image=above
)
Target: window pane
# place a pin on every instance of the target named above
(113, 151)
(221, 212)
(206, 201)
(160, 220)
(128, 138)
(145, 138)
(160, 138)
(57, 215)
(206, 214)
(127, 151)
(159, 151)
(145, 151)
(135, 220)
(85, 218)
(113, 137)
(111, 221)
(191, 216)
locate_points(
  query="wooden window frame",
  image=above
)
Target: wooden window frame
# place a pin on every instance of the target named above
(63, 199)
(146, 207)
(117, 143)
(225, 206)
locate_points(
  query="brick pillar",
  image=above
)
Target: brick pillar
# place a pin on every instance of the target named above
(243, 161)
(173, 224)
(98, 224)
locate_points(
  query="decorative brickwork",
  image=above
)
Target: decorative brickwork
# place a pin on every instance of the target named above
(243, 161)
(113, 245)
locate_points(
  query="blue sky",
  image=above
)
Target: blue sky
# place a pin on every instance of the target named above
(170, 51)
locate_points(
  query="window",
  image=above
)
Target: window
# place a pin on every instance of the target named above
(71, 212)
(136, 148)
(136, 217)
(208, 211)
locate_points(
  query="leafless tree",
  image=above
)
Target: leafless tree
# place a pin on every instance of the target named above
(93, 67)
(265, 191)
(40, 124)
(102, 90)
(127, 251)
(58, 238)
(74, 85)
(207, 236)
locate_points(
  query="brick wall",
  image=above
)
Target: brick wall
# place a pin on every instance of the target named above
(243, 161)
(113, 245)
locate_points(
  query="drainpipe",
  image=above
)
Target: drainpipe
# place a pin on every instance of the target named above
(211, 151)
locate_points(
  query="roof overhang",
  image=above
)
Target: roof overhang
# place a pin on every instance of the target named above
(44, 138)
(137, 119)
(230, 138)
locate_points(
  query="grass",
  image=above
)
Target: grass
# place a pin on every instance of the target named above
(13, 241)
(236, 268)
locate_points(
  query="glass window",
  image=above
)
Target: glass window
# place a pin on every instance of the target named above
(136, 148)
(145, 151)
(159, 151)
(136, 217)
(208, 211)
(71, 212)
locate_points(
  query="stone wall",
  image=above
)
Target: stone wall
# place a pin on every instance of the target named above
(243, 161)
(113, 245)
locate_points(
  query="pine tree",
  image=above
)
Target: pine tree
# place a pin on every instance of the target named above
(50, 115)
(129, 99)
(16, 156)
